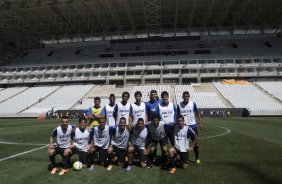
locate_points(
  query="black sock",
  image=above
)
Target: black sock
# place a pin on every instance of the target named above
(90, 159)
(66, 162)
(196, 151)
(164, 158)
(172, 160)
(150, 158)
(52, 160)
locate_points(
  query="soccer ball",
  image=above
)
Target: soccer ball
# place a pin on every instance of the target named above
(77, 165)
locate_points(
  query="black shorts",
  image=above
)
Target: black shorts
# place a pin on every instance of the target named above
(195, 130)
(163, 142)
(184, 157)
(83, 156)
(102, 153)
(142, 154)
(59, 150)
(121, 153)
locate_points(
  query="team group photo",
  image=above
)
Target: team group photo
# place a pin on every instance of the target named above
(120, 133)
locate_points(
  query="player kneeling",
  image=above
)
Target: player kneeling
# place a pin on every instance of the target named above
(62, 134)
(101, 139)
(139, 143)
(120, 137)
(81, 137)
(181, 148)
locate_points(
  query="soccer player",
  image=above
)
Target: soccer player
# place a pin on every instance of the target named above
(138, 108)
(152, 105)
(100, 135)
(123, 109)
(188, 109)
(94, 113)
(81, 146)
(157, 136)
(120, 136)
(108, 111)
(62, 134)
(181, 133)
(167, 112)
(139, 141)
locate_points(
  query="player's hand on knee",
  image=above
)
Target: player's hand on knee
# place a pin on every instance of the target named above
(190, 149)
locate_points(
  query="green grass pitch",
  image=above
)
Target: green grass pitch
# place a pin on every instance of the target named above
(250, 153)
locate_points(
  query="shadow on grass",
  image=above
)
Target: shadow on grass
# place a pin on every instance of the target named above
(256, 173)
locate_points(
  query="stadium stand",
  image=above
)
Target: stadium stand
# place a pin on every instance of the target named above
(25, 99)
(62, 99)
(202, 99)
(145, 90)
(9, 92)
(248, 96)
(273, 88)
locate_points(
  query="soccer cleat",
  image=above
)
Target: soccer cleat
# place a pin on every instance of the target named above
(149, 166)
(109, 167)
(54, 170)
(198, 162)
(128, 168)
(91, 168)
(172, 170)
(63, 171)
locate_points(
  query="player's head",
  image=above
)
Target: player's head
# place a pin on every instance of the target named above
(64, 122)
(97, 101)
(153, 95)
(164, 96)
(140, 124)
(186, 96)
(125, 96)
(156, 120)
(82, 122)
(138, 96)
(122, 123)
(180, 121)
(112, 99)
(102, 122)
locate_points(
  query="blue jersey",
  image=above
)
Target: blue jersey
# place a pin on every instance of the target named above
(152, 108)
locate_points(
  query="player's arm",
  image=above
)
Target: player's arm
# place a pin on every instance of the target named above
(90, 115)
(130, 115)
(191, 134)
(198, 117)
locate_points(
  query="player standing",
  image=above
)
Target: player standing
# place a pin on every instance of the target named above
(108, 111)
(152, 105)
(123, 109)
(94, 113)
(138, 108)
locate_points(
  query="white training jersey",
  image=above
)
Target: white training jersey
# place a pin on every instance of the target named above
(181, 137)
(139, 138)
(110, 115)
(123, 111)
(63, 139)
(157, 133)
(167, 113)
(120, 139)
(138, 111)
(101, 137)
(81, 139)
(188, 112)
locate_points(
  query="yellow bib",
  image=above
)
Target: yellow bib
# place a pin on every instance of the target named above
(95, 112)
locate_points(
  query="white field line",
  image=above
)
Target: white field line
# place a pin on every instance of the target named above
(25, 126)
(22, 153)
(227, 131)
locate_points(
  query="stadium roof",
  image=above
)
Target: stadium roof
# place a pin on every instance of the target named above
(58, 19)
